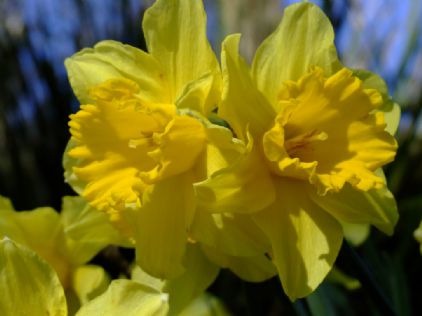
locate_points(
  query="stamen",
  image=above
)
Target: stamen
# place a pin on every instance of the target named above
(303, 141)
(145, 140)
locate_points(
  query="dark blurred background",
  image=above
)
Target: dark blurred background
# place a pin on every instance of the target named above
(35, 97)
(384, 36)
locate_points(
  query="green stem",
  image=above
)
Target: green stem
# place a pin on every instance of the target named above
(366, 277)
(299, 306)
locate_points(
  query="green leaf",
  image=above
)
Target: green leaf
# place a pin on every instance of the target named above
(320, 305)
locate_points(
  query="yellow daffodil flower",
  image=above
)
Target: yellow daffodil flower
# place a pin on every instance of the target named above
(67, 241)
(141, 139)
(316, 139)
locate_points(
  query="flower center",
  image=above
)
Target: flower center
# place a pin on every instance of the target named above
(301, 146)
(174, 149)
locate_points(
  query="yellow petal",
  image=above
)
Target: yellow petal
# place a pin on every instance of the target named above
(140, 276)
(128, 298)
(200, 273)
(160, 226)
(68, 163)
(5, 204)
(8, 224)
(175, 34)
(205, 305)
(256, 268)
(303, 39)
(221, 150)
(29, 286)
(336, 100)
(111, 59)
(253, 269)
(88, 282)
(87, 230)
(105, 158)
(305, 239)
(390, 109)
(392, 112)
(183, 134)
(356, 234)
(376, 207)
(196, 94)
(233, 234)
(243, 106)
(244, 187)
(41, 231)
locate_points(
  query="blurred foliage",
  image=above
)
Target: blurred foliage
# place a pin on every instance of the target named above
(384, 36)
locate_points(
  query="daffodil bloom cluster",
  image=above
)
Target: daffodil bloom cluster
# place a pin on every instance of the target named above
(30, 286)
(271, 193)
(66, 241)
(43, 266)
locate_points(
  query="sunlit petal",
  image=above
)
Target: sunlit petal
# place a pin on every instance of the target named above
(175, 34)
(303, 39)
(111, 59)
(243, 106)
(305, 239)
(161, 226)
